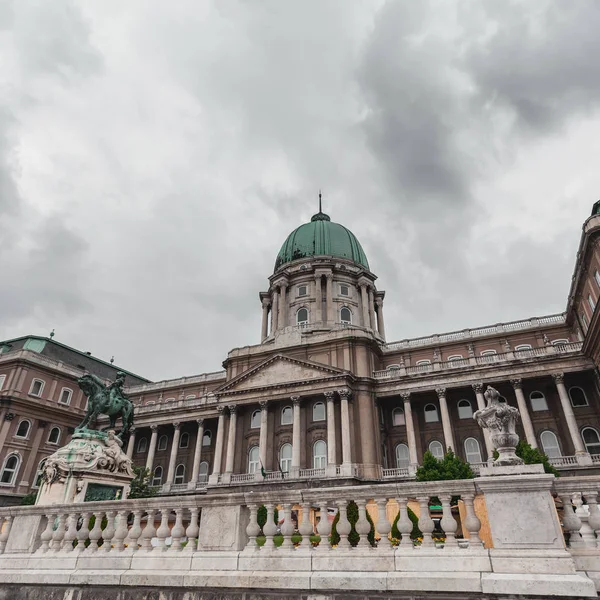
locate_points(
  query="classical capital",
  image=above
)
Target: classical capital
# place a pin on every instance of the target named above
(517, 383)
(132, 429)
(295, 400)
(220, 410)
(558, 377)
(329, 276)
(477, 388)
(345, 394)
(329, 396)
(441, 392)
(154, 428)
(263, 404)
(232, 409)
(177, 425)
(200, 422)
(266, 302)
(405, 396)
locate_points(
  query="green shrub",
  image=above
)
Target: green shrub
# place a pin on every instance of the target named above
(353, 537)
(533, 456)
(261, 516)
(415, 533)
(140, 485)
(29, 499)
(449, 468)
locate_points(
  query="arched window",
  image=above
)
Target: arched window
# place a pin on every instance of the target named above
(318, 411)
(431, 413)
(157, 476)
(550, 444)
(472, 451)
(523, 348)
(285, 457)
(287, 415)
(179, 474)
(538, 401)
(436, 449)
(319, 454)
(423, 362)
(190, 396)
(207, 438)
(465, 410)
(591, 439)
(302, 316)
(253, 460)
(163, 441)
(23, 429)
(10, 469)
(488, 353)
(65, 396)
(578, 397)
(184, 440)
(54, 436)
(402, 456)
(39, 473)
(142, 445)
(392, 367)
(346, 316)
(37, 387)
(255, 419)
(203, 473)
(455, 357)
(489, 356)
(397, 417)
(560, 342)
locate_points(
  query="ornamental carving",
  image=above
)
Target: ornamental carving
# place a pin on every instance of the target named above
(441, 392)
(478, 388)
(558, 377)
(329, 396)
(295, 400)
(405, 396)
(517, 383)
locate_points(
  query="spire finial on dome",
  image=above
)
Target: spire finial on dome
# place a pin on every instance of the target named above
(320, 209)
(320, 216)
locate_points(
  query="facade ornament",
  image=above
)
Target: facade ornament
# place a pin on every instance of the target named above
(477, 388)
(263, 404)
(405, 396)
(441, 392)
(507, 347)
(558, 377)
(176, 425)
(220, 410)
(154, 427)
(517, 383)
(471, 350)
(345, 393)
(501, 420)
(232, 409)
(329, 396)
(200, 422)
(437, 357)
(132, 430)
(295, 400)
(546, 340)
(401, 360)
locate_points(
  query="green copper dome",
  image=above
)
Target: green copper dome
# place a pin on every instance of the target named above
(321, 237)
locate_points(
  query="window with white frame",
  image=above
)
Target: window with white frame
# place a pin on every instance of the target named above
(489, 356)
(302, 290)
(203, 473)
(157, 476)
(597, 278)
(578, 397)
(591, 302)
(39, 473)
(10, 469)
(523, 347)
(190, 396)
(455, 357)
(163, 442)
(488, 353)
(591, 439)
(560, 342)
(402, 456)
(319, 454)
(392, 367)
(472, 451)
(431, 413)
(255, 419)
(37, 387)
(422, 362)
(538, 401)
(23, 429)
(287, 415)
(207, 438)
(302, 316)
(436, 449)
(398, 417)
(65, 396)
(318, 411)
(54, 436)
(465, 410)
(346, 316)
(2, 380)
(584, 321)
(253, 460)
(285, 457)
(184, 440)
(550, 444)
(344, 290)
(142, 445)
(179, 474)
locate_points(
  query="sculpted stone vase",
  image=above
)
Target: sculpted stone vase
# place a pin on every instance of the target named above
(501, 420)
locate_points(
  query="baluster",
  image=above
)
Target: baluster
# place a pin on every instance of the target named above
(472, 522)
(109, 531)
(363, 527)
(594, 518)
(83, 533)
(149, 532)
(269, 528)
(46, 535)
(71, 533)
(571, 522)
(59, 533)
(404, 525)
(306, 527)
(324, 528)
(135, 532)
(448, 522)
(426, 524)
(121, 531)
(383, 526)
(6, 527)
(178, 531)
(343, 527)
(253, 528)
(193, 530)
(287, 527)
(162, 533)
(96, 532)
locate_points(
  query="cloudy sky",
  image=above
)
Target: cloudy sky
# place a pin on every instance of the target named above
(154, 155)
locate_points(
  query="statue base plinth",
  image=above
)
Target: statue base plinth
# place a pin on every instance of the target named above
(521, 469)
(91, 467)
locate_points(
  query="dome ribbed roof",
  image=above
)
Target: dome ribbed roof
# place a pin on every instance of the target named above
(321, 237)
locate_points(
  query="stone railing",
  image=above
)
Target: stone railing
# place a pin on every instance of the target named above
(467, 334)
(216, 541)
(487, 360)
(562, 462)
(176, 383)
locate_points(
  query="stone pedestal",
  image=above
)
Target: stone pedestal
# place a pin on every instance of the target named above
(91, 467)
(223, 528)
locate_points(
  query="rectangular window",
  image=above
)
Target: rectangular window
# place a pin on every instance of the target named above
(584, 322)
(2, 379)
(37, 386)
(597, 278)
(65, 396)
(591, 302)
(302, 290)
(344, 290)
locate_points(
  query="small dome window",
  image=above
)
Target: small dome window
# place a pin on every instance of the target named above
(344, 290)
(302, 316)
(302, 290)
(346, 316)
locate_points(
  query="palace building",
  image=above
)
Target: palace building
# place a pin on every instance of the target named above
(323, 398)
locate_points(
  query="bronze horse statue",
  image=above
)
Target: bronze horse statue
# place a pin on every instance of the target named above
(106, 400)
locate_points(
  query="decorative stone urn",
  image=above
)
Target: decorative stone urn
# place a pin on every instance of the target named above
(500, 419)
(92, 466)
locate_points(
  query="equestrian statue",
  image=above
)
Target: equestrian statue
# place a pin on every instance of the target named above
(106, 400)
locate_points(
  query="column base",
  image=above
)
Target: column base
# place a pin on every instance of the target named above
(214, 479)
(226, 478)
(331, 471)
(166, 487)
(294, 473)
(346, 470)
(584, 459)
(191, 485)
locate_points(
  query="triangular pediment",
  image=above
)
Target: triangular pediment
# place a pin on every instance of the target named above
(280, 370)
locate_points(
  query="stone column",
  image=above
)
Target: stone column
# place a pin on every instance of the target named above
(295, 470)
(364, 300)
(219, 445)
(371, 309)
(231, 438)
(275, 310)
(369, 442)
(489, 447)
(131, 442)
(525, 418)
(173, 457)
(380, 323)
(152, 448)
(330, 315)
(197, 455)
(569, 415)
(264, 331)
(410, 431)
(345, 426)
(263, 438)
(319, 298)
(446, 424)
(331, 452)
(283, 305)
(31, 464)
